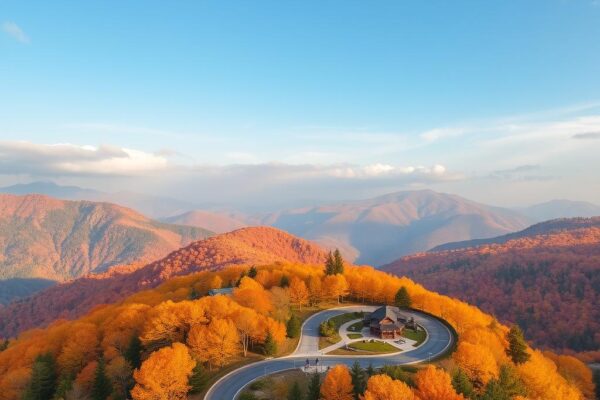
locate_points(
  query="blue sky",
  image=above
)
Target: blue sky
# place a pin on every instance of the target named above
(461, 96)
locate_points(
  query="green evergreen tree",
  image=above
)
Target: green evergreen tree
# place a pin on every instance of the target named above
(101, 386)
(42, 384)
(403, 299)
(359, 381)
(4, 345)
(338, 262)
(507, 386)
(199, 379)
(314, 388)
(239, 281)
(293, 326)
(295, 392)
(398, 373)
(193, 294)
(270, 346)
(285, 281)
(329, 264)
(133, 352)
(252, 272)
(462, 384)
(517, 346)
(597, 382)
(65, 384)
(370, 370)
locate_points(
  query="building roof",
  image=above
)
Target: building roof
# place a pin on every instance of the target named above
(385, 311)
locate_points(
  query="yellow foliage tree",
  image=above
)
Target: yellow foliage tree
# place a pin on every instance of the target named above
(337, 385)
(214, 343)
(164, 375)
(477, 361)
(298, 292)
(80, 347)
(382, 387)
(435, 384)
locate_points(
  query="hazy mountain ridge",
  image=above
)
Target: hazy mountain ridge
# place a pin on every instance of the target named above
(379, 230)
(43, 237)
(214, 221)
(562, 208)
(546, 278)
(248, 246)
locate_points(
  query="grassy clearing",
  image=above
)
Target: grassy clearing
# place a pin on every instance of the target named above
(355, 335)
(374, 347)
(419, 335)
(357, 327)
(338, 321)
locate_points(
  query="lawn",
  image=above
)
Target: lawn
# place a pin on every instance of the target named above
(419, 335)
(357, 327)
(374, 347)
(338, 320)
(355, 335)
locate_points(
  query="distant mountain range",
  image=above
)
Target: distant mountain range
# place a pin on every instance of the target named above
(151, 206)
(546, 278)
(214, 221)
(43, 237)
(560, 209)
(373, 231)
(380, 230)
(248, 246)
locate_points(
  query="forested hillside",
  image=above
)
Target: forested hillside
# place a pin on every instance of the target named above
(546, 279)
(258, 245)
(42, 237)
(165, 342)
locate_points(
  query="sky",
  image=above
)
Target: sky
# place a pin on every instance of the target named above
(291, 102)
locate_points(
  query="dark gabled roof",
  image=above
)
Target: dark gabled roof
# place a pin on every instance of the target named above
(385, 311)
(389, 327)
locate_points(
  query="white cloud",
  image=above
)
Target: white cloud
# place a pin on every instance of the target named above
(13, 30)
(65, 159)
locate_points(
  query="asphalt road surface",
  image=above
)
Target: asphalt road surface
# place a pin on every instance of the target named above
(439, 339)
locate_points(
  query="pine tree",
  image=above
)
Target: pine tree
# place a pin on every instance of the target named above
(101, 386)
(314, 388)
(65, 384)
(237, 283)
(194, 294)
(270, 346)
(4, 345)
(285, 281)
(517, 346)
(199, 379)
(338, 262)
(358, 380)
(43, 379)
(370, 370)
(329, 264)
(507, 386)
(252, 272)
(295, 392)
(462, 384)
(133, 353)
(293, 326)
(403, 299)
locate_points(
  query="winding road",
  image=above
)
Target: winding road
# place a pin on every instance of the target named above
(439, 339)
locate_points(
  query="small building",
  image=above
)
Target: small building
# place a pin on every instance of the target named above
(385, 322)
(228, 291)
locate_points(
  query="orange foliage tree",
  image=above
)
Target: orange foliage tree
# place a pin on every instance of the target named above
(214, 343)
(435, 384)
(382, 387)
(337, 385)
(477, 361)
(298, 292)
(164, 375)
